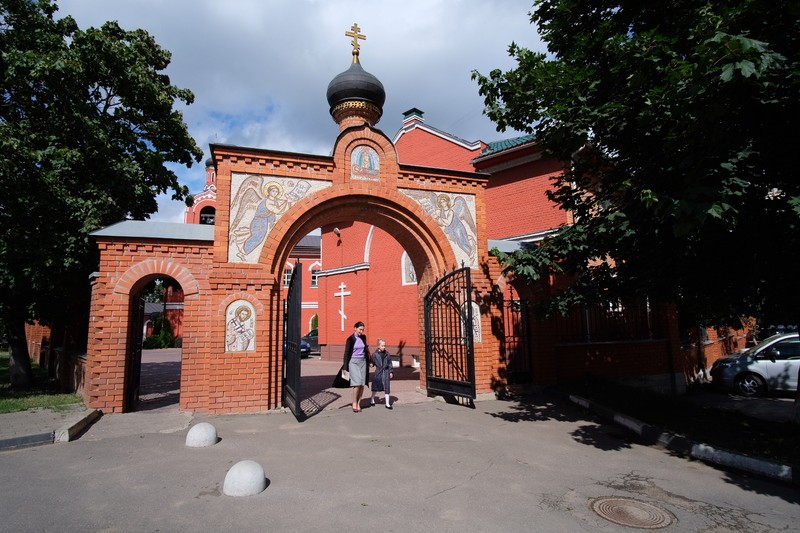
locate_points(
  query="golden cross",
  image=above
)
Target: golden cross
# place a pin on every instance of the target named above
(354, 33)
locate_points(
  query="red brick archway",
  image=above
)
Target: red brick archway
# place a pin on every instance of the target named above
(215, 379)
(161, 267)
(127, 264)
(424, 241)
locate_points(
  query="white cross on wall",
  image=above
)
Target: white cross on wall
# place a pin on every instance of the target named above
(342, 292)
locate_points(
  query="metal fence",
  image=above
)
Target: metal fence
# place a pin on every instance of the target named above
(516, 342)
(628, 321)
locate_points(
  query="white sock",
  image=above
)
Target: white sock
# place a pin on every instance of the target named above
(387, 399)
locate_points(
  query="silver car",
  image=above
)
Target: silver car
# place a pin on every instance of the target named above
(771, 365)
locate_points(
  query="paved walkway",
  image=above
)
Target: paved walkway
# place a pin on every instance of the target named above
(160, 389)
(532, 464)
(510, 466)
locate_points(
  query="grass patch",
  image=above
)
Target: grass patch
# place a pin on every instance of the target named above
(721, 428)
(45, 394)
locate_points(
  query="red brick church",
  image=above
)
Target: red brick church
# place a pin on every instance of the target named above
(376, 228)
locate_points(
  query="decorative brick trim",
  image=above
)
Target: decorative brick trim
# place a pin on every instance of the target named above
(164, 267)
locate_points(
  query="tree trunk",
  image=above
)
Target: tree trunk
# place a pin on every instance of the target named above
(20, 361)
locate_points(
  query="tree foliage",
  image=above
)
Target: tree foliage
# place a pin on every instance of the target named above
(162, 336)
(677, 124)
(87, 122)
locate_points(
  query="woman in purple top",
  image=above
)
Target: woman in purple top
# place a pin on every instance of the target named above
(356, 355)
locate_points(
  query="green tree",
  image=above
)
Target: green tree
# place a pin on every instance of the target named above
(677, 125)
(86, 127)
(156, 290)
(676, 122)
(162, 336)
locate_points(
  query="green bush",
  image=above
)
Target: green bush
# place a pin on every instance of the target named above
(162, 336)
(152, 342)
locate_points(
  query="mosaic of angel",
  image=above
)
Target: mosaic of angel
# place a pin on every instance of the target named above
(455, 217)
(257, 207)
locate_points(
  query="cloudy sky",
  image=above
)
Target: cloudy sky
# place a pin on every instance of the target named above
(259, 69)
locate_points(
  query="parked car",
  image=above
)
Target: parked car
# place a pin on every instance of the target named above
(305, 349)
(771, 365)
(313, 340)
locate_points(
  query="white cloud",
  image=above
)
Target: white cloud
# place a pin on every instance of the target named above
(260, 69)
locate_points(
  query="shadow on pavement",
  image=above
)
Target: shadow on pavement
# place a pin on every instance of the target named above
(544, 407)
(159, 385)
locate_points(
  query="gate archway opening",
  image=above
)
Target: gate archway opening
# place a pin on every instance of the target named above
(153, 353)
(386, 209)
(394, 215)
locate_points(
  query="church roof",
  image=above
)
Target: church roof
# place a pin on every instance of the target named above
(504, 245)
(470, 145)
(413, 119)
(355, 88)
(310, 244)
(496, 147)
(355, 83)
(157, 230)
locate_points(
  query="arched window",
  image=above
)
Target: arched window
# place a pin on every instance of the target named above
(207, 215)
(287, 275)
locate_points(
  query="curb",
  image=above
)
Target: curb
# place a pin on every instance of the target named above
(26, 441)
(69, 431)
(700, 451)
(66, 433)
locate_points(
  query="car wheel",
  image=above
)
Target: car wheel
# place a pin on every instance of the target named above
(749, 385)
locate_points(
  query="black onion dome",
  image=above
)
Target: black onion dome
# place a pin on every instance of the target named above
(356, 83)
(210, 162)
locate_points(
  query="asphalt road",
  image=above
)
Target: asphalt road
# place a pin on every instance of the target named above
(532, 465)
(504, 466)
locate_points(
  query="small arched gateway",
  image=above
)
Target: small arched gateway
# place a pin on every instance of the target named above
(232, 274)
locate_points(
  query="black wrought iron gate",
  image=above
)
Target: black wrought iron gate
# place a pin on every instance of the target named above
(291, 343)
(449, 354)
(134, 362)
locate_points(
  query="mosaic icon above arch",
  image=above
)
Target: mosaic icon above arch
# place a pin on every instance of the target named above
(455, 213)
(240, 327)
(258, 202)
(365, 164)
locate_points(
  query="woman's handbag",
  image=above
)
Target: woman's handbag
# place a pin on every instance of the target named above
(342, 379)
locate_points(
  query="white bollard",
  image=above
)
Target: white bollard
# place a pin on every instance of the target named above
(245, 478)
(202, 435)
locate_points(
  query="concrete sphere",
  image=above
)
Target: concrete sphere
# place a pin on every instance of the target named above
(202, 435)
(245, 478)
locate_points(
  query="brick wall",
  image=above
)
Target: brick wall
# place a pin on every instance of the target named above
(518, 203)
(126, 267)
(420, 147)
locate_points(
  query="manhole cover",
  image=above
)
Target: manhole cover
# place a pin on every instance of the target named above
(632, 513)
